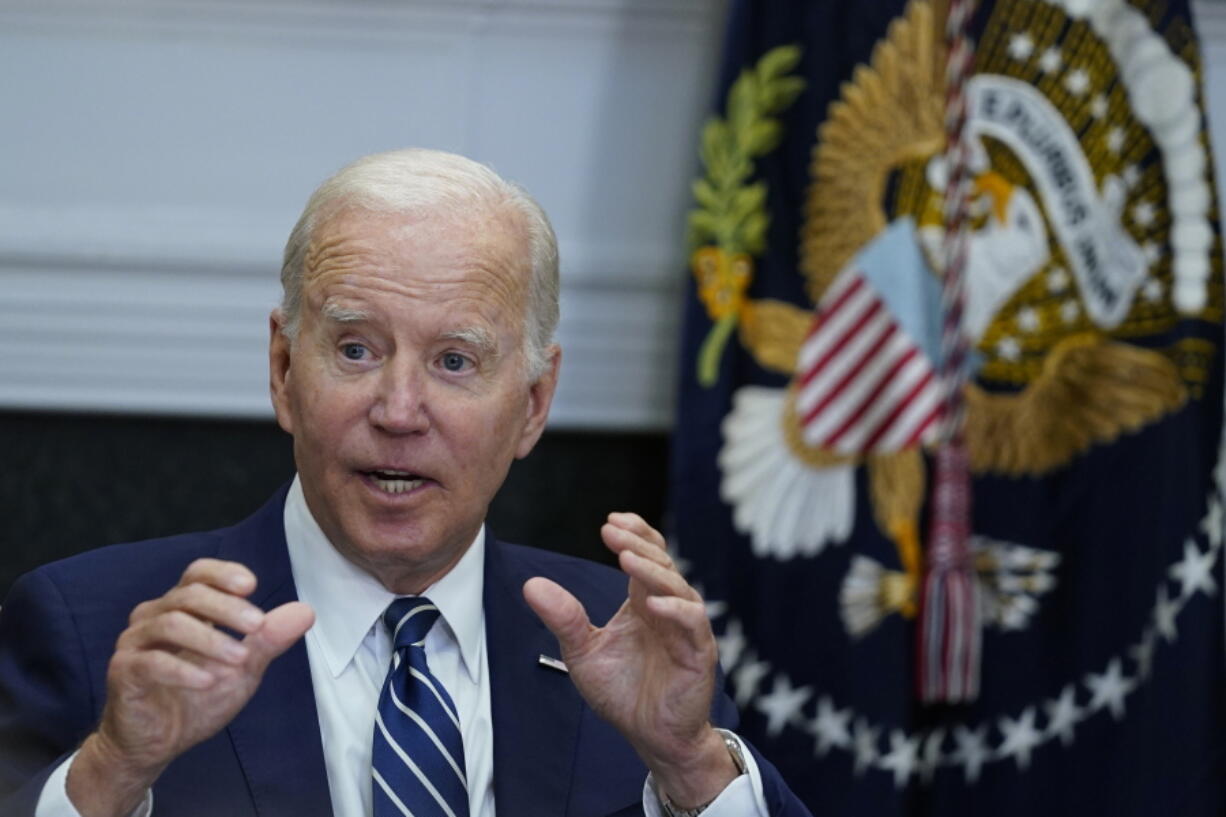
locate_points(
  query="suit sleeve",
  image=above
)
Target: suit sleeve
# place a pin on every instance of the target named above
(46, 697)
(780, 801)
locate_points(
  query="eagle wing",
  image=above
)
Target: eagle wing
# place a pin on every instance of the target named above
(1091, 390)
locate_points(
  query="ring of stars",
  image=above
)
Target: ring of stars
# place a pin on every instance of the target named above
(916, 756)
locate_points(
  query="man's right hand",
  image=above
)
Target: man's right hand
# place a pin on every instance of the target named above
(176, 679)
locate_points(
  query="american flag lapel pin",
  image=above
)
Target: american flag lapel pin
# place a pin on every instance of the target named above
(552, 663)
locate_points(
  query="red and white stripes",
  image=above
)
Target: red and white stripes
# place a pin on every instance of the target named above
(863, 385)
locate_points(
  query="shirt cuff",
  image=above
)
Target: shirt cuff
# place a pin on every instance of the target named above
(54, 802)
(743, 797)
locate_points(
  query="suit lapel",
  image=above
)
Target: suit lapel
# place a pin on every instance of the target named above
(535, 709)
(276, 736)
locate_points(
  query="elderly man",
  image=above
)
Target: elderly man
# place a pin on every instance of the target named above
(412, 361)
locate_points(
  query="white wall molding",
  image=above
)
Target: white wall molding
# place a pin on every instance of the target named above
(156, 154)
(1210, 19)
(357, 20)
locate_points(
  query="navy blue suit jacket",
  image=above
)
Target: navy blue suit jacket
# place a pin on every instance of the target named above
(58, 626)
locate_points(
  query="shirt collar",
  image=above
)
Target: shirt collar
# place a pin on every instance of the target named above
(348, 601)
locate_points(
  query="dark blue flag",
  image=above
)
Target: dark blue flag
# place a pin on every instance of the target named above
(802, 469)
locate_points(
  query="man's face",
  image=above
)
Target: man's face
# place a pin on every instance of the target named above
(406, 390)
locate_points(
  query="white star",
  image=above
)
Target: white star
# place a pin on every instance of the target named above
(1021, 46)
(1027, 319)
(972, 750)
(1143, 653)
(1165, 612)
(1063, 715)
(1152, 290)
(1115, 140)
(1009, 348)
(1110, 689)
(1069, 311)
(865, 740)
(1077, 82)
(747, 677)
(731, 644)
(1213, 522)
(903, 757)
(714, 609)
(1057, 280)
(782, 704)
(1195, 572)
(1050, 61)
(1132, 175)
(1098, 106)
(830, 726)
(931, 757)
(1020, 737)
(1143, 214)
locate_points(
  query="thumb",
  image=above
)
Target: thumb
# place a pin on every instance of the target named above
(560, 611)
(282, 627)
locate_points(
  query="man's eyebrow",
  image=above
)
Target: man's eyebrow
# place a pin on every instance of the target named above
(343, 314)
(474, 336)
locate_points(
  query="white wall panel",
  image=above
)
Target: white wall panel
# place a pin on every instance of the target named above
(155, 154)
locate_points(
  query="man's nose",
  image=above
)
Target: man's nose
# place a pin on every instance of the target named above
(400, 401)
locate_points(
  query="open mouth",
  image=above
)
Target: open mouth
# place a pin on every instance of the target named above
(394, 482)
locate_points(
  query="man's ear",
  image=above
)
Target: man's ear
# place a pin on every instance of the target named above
(279, 348)
(540, 398)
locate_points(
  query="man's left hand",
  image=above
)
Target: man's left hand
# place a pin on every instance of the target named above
(651, 670)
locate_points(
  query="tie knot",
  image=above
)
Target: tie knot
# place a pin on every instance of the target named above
(408, 619)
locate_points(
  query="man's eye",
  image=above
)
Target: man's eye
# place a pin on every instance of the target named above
(454, 362)
(354, 351)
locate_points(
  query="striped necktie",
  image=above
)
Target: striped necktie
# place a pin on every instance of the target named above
(418, 758)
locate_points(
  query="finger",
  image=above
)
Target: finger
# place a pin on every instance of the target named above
(177, 630)
(211, 605)
(231, 577)
(656, 579)
(689, 620)
(638, 526)
(561, 612)
(619, 539)
(281, 628)
(158, 667)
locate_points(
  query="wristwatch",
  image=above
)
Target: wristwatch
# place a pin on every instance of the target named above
(738, 759)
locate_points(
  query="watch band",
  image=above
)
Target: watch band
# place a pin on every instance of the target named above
(738, 759)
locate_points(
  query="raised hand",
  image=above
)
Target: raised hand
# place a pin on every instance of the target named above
(651, 670)
(176, 679)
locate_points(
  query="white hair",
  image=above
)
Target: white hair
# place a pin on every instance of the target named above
(415, 179)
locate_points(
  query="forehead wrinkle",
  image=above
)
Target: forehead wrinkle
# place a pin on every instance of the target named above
(336, 250)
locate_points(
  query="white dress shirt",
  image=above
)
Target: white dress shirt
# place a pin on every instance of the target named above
(349, 651)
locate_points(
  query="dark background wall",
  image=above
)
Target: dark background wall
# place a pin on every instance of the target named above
(72, 482)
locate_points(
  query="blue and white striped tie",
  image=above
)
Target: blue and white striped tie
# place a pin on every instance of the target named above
(418, 758)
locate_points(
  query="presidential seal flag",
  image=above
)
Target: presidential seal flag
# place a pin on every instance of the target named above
(811, 405)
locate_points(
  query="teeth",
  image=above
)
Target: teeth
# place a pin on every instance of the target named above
(395, 486)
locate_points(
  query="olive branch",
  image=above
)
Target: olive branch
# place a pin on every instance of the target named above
(731, 212)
